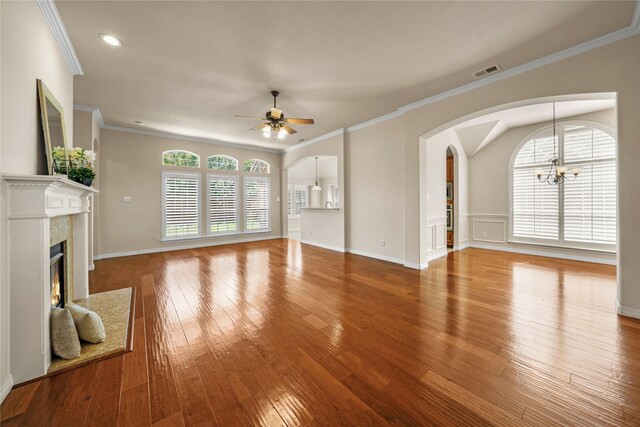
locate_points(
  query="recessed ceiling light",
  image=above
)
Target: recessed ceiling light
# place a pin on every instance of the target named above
(138, 122)
(111, 40)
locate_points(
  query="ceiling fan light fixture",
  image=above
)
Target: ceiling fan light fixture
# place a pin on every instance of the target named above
(266, 132)
(282, 133)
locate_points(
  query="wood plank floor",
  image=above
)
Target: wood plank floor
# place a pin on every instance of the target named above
(279, 333)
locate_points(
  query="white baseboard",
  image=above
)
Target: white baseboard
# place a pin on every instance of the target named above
(416, 266)
(322, 245)
(92, 266)
(437, 254)
(5, 388)
(628, 312)
(181, 247)
(461, 246)
(542, 252)
(376, 256)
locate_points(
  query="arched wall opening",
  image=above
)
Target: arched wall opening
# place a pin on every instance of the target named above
(484, 174)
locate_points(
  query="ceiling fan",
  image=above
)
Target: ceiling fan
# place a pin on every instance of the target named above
(277, 125)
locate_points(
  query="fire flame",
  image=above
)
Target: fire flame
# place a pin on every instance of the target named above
(55, 289)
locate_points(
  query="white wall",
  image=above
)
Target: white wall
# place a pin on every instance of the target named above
(489, 189)
(29, 51)
(131, 165)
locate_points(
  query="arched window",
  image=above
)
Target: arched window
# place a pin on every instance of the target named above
(222, 162)
(180, 158)
(580, 212)
(256, 165)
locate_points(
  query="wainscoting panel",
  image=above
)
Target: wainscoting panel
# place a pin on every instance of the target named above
(436, 233)
(489, 228)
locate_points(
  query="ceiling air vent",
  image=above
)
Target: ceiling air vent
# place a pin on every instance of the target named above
(491, 69)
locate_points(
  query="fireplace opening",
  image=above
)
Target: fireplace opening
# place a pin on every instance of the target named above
(56, 260)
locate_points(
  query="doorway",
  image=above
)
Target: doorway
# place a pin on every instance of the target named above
(451, 207)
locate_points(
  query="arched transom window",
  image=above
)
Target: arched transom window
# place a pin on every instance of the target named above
(222, 162)
(580, 212)
(180, 158)
(256, 165)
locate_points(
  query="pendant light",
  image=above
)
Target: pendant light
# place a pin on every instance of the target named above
(557, 173)
(317, 187)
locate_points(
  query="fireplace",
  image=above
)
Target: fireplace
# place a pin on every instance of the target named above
(57, 276)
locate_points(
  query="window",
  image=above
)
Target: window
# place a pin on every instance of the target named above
(180, 158)
(256, 165)
(222, 204)
(579, 213)
(301, 197)
(181, 205)
(222, 162)
(256, 203)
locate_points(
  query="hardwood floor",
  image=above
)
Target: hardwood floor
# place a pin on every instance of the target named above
(278, 333)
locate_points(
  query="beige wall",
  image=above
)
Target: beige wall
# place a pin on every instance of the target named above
(86, 134)
(29, 51)
(130, 165)
(375, 180)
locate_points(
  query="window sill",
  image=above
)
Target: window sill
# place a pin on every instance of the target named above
(211, 236)
(559, 246)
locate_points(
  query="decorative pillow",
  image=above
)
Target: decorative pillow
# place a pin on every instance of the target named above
(88, 323)
(64, 337)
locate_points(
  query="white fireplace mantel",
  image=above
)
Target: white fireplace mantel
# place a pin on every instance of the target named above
(32, 201)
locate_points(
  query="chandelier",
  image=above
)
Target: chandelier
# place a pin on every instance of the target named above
(557, 173)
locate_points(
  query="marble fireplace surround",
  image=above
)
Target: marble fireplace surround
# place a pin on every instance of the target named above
(40, 209)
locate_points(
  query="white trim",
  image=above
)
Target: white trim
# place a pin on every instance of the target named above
(463, 245)
(636, 16)
(416, 266)
(95, 111)
(92, 267)
(625, 311)
(376, 256)
(322, 245)
(612, 37)
(6, 387)
(183, 247)
(374, 121)
(162, 134)
(437, 253)
(543, 253)
(314, 140)
(50, 12)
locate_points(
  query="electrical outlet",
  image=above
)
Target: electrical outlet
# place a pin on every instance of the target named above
(126, 199)
(484, 234)
(157, 237)
(382, 243)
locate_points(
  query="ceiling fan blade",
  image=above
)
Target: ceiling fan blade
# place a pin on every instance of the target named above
(262, 126)
(296, 121)
(288, 129)
(276, 113)
(249, 117)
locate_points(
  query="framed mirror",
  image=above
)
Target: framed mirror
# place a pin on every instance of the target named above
(53, 129)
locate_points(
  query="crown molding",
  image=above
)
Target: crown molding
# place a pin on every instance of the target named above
(50, 12)
(189, 138)
(375, 121)
(549, 59)
(636, 16)
(95, 111)
(314, 140)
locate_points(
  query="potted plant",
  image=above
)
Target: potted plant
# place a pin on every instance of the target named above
(78, 167)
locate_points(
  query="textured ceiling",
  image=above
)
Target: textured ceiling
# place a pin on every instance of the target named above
(188, 67)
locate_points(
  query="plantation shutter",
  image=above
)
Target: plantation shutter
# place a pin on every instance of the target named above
(223, 204)
(301, 199)
(256, 210)
(181, 205)
(590, 200)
